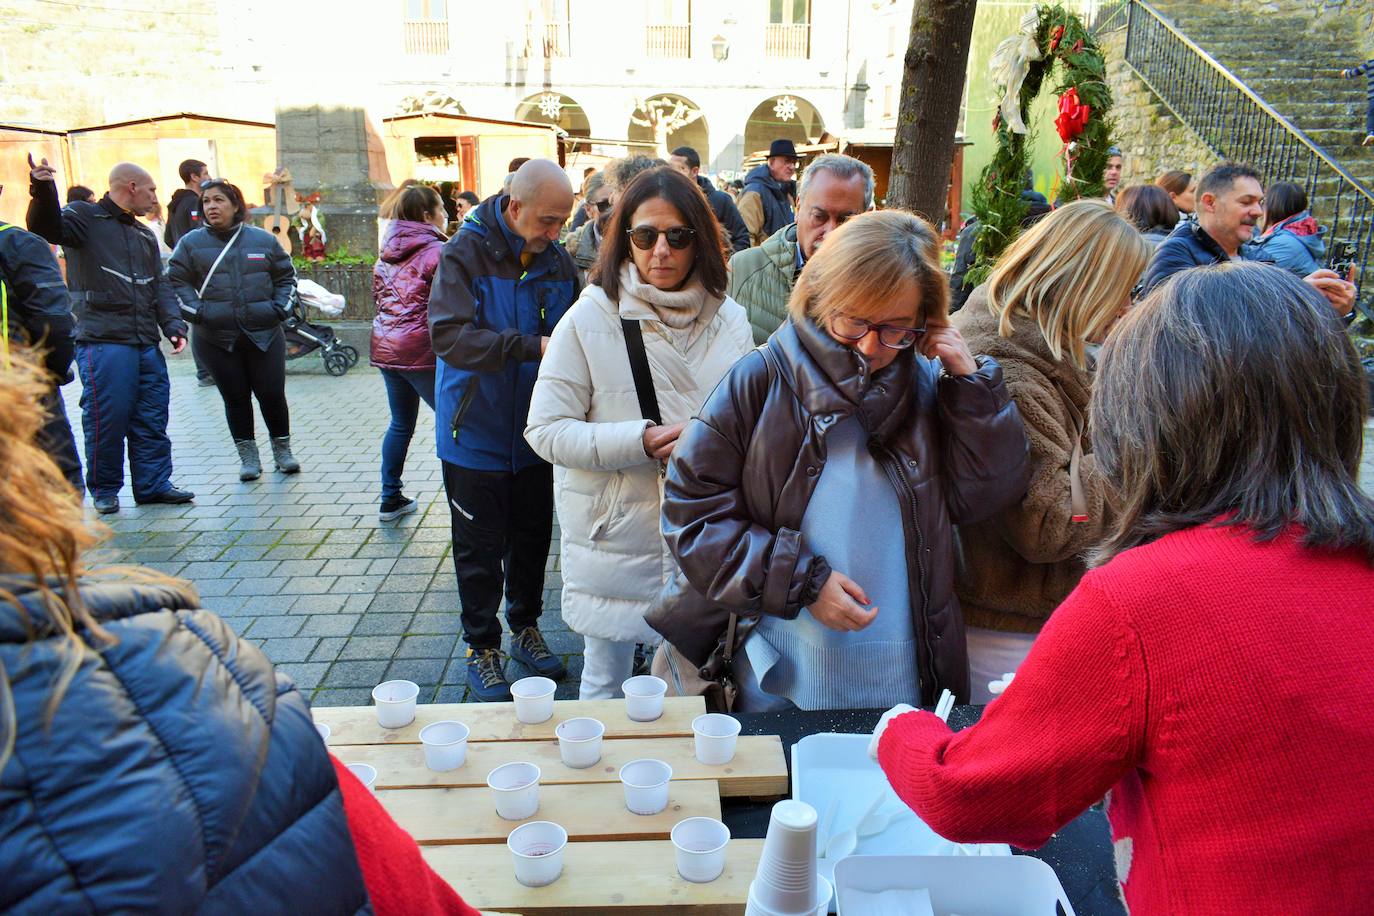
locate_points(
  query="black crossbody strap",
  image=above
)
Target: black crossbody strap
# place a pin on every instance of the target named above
(639, 368)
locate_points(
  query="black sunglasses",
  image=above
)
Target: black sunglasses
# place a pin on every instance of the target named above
(602, 205)
(209, 183)
(646, 237)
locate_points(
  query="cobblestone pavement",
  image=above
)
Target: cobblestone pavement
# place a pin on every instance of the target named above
(301, 565)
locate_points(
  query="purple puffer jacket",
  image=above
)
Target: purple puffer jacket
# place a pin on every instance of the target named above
(400, 287)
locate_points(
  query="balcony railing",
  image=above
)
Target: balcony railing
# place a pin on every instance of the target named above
(668, 41)
(1237, 124)
(426, 36)
(547, 39)
(789, 42)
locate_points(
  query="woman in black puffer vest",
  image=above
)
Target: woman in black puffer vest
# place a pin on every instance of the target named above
(235, 284)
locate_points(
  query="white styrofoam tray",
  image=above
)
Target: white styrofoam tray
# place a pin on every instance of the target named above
(830, 765)
(969, 886)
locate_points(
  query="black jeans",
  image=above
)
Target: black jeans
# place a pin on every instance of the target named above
(246, 372)
(499, 520)
(55, 438)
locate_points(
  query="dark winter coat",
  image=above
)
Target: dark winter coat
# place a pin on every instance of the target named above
(114, 269)
(1187, 246)
(487, 315)
(401, 282)
(249, 293)
(743, 472)
(36, 301)
(183, 215)
(772, 196)
(179, 773)
(727, 214)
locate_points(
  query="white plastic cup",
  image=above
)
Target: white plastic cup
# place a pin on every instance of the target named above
(699, 843)
(446, 745)
(395, 703)
(516, 789)
(823, 894)
(785, 882)
(537, 848)
(644, 697)
(533, 699)
(324, 731)
(579, 742)
(646, 785)
(366, 774)
(715, 734)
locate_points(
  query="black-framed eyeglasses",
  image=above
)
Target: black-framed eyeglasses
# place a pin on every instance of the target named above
(602, 205)
(892, 336)
(646, 237)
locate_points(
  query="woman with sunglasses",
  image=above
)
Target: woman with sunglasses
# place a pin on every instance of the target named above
(235, 285)
(1052, 297)
(660, 278)
(815, 494)
(585, 240)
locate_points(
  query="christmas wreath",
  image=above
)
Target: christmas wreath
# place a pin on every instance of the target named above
(1021, 64)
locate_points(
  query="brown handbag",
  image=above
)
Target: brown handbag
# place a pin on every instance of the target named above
(715, 682)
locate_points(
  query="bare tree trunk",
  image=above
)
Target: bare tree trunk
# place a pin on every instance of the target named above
(928, 116)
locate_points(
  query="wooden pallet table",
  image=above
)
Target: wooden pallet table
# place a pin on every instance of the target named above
(497, 722)
(616, 862)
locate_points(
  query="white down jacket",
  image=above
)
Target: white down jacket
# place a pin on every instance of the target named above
(585, 420)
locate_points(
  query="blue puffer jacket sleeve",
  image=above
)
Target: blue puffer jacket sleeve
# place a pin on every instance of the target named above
(179, 773)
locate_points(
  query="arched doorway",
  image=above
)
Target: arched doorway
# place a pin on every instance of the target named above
(557, 109)
(783, 117)
(668, 121)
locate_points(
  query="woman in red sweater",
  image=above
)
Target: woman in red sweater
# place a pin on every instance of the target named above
(1214, 674)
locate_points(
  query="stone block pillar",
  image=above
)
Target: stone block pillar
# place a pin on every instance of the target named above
(336, 151)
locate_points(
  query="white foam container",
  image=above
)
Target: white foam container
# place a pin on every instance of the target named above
(646, 785)
(699, 846)
(446, 745)
(515, 788)
(1005, 885)
(395, 703)
(537, 848)
(644, 697)
(533, 699)
(714, 736)
(828, 765)
(579, 742)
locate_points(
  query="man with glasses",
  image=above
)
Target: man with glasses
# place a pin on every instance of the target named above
(123, 304)
(183, 215)
(502, 285)
(585, 241)
(834, 187)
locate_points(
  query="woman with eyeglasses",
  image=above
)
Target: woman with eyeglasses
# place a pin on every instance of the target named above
(585, 240)
(815, 494)
(658, 289)
(235, 285)
(1053, 296)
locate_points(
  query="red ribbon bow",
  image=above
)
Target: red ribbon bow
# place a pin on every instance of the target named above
(1073, 116)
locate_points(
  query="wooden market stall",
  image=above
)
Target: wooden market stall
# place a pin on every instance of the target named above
(473, 152)
(241, 151)
(16, 144)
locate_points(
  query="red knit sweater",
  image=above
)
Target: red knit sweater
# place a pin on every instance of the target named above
(1222, 690)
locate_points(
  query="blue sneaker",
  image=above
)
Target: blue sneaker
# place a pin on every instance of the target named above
(529, 648)
(486, 677)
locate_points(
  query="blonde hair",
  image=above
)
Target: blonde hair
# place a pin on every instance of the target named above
(1071, 273)
(865, 262)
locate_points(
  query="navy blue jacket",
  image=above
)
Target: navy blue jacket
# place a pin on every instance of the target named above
(487, 314)
(1187, 246)
(114, 269)
(179, 773)
(727, 214)
(36, 302)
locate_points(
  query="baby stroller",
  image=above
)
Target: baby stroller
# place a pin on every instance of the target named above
(304, 338)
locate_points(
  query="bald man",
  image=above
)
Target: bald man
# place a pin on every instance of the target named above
(123, 306)
(503, 283)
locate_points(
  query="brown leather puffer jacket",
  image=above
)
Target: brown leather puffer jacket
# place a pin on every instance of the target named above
(744, 470)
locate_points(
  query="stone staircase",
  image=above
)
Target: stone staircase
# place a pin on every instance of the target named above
(1293, 61)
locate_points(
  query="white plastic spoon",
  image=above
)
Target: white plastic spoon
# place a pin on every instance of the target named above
(843, 843)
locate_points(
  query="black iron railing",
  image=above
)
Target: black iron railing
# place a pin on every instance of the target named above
(1237, 124)
(1105, 16)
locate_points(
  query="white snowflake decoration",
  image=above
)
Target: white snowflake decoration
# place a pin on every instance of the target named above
(550, 105)
(786, 108)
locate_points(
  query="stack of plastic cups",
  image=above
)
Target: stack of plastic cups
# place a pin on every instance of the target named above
(786, 883)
